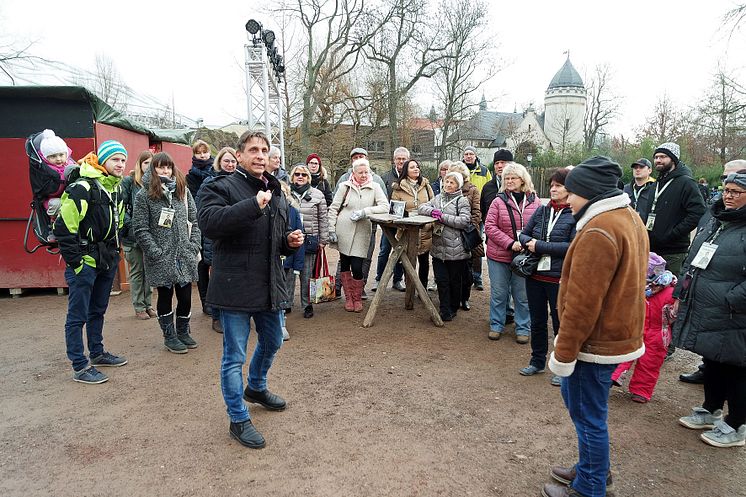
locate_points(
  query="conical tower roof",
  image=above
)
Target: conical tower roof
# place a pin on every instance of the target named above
(566, 76)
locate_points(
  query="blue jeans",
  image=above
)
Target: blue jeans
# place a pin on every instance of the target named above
(236, 328)
(503, 284)
(539, 294)
(586, 396)
(86, 305)
(383, 259)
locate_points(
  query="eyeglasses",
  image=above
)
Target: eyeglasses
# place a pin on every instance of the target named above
(732, 193)
(300, 175)
(229, 161)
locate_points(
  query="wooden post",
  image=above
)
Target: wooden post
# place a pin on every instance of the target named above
(384, 283)
(422, 293)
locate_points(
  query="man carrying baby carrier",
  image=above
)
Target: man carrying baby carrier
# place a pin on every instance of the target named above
(87, 230)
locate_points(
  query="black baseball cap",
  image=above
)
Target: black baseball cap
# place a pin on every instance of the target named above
(642, 162)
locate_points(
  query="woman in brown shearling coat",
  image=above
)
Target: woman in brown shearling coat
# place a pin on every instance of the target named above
(415, 190)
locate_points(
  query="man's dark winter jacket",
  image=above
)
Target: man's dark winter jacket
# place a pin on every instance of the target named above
(390, 177)
(644, 199)
(248, 242)
(677, 213)
(489, 193)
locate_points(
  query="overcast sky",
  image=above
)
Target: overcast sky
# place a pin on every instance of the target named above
(193, 51)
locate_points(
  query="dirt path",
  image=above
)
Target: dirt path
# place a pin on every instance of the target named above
(401, 409)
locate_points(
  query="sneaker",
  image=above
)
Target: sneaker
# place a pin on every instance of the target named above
(108, 360)
(494, 335)
(431, 287)
(269, 400)
(478, 286)
(522, 339)
(639, 399)
(530, 370)
(701, 419)
(374, 286)
(399, 285)
(723, 435)
(285, 334)
(363, 295)
(247, 435)
(142, 315)
(90, 376)
(556, 381)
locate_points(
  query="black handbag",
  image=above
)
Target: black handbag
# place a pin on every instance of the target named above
(471, 238)
(311, 244)
(524, 263)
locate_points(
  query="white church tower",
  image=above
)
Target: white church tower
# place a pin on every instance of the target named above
(564, 108)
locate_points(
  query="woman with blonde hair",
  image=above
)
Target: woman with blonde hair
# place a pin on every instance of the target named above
(471, 193)
(225, 163)
(507, 216)
(140, 291)
(314, 216)
(349, 228)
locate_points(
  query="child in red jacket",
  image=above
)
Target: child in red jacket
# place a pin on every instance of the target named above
(657, 334)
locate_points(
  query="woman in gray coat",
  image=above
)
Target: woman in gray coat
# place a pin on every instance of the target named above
(165, 224)
(313, 213)
(450, 260)
(711, 316)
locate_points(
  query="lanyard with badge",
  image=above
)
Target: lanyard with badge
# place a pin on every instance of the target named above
(545, 261)
(658, 192)
(520, 208)
(706, 251)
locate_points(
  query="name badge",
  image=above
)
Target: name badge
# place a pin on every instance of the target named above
(651, 222)
(704, 255)
(545, 263)
(166, 220)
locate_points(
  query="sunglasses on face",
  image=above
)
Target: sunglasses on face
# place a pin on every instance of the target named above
(300, 175)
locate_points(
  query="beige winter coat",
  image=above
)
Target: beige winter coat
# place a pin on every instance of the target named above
(354, 237)
(404, 191)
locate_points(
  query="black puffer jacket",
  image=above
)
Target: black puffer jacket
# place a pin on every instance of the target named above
(712, 313)
(248, 242)
(677, 212)
(560, 238)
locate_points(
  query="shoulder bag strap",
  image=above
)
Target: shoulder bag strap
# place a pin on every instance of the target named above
(512, 219)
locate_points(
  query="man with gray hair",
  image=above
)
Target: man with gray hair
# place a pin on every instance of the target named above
(401, 155)
(274, 166)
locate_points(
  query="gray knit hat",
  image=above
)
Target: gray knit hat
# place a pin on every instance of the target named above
(469, 148)
(670, 149)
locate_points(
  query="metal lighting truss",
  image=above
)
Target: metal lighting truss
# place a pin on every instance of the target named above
(264, 102)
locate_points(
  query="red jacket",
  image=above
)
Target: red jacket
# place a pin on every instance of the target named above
(498, 228)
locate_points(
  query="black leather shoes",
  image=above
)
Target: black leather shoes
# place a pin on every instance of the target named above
(247, 435)
(697, 377)
(266, 399)
(308, 312)
(465, 305)
(566, 475)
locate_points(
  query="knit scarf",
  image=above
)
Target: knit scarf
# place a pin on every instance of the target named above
(300, 189)
(355, 182)
(202, 163)
(557, 207)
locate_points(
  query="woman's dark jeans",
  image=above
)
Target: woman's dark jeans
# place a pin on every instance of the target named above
(542, 297)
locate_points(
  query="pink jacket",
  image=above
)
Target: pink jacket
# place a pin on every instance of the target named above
(498, 229)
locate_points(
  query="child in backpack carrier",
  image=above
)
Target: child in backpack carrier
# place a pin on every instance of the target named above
(659, 303)
(55, 154)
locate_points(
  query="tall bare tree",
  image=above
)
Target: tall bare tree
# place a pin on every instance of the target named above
(333, 35)
(108, 85)
(721, 118)
(466, 65)
(665, 122)
(602, 106)
(409, 45)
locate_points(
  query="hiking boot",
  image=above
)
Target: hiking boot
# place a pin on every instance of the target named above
(142, 315)
(217, 327)
(554, 490)
(556, 381)
(247, 435)
(494, 335)
(701, 419)
(90, 376)
(522, 339)
(182, 331)
(723, 435)
(172, 343)
(266, 398)
(399, 285)
(108, 360)
(567, 475)
(530, 370)
(308, 311)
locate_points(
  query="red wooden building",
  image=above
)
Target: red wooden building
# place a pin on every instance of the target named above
(83, 121)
